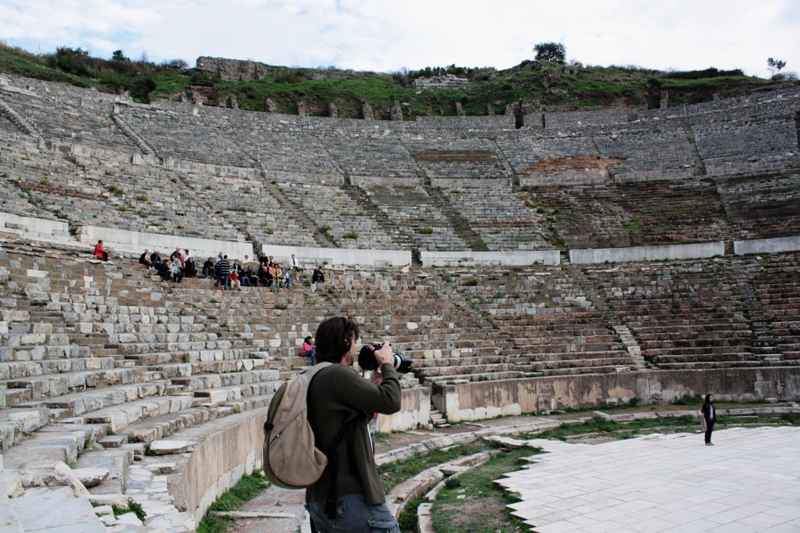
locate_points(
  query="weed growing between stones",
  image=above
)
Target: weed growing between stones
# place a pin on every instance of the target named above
(393, 474)
(245, 490)
(133, 507)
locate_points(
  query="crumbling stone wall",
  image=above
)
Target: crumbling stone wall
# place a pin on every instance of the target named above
(232, 69)
(446, 82)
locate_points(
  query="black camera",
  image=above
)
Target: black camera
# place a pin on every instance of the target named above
(367, 360)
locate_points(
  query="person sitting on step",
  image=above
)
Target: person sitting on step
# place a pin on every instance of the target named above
(100, 252)
(308, 350)
(190, 268)
(233, 278)
(317, 277)
(208, 268)
(176, 270)
(144, 260)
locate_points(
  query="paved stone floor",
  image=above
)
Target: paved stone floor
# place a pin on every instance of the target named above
(748, 482)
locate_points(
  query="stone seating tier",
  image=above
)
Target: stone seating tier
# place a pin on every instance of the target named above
(83, 120)
(189, 203)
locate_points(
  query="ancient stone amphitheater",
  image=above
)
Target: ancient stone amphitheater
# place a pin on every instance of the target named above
(580, 259)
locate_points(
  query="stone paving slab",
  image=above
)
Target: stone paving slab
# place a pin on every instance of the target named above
(56, 511)
(749, 481)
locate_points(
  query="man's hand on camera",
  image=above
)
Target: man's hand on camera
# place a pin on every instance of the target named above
(385, 354)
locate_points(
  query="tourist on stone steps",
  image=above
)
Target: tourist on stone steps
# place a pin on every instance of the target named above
(317, 277)
(164, 270)
(264, 275)
(247, 264)
(208, 268)
(223, 270)
(350, 498)
(294, 265)
(176, 269)
(236, 267)
(155, 260)
(287, 280)
(233, 278)
(244, 279)
(277, 273)
(709, 417)
(190, 268)
(251, 275)
(145, 260)
(308, 350)
(100, 252)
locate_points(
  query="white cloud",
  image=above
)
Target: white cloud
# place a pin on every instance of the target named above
(385, 35)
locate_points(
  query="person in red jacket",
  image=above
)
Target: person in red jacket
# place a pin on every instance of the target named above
(100, 252)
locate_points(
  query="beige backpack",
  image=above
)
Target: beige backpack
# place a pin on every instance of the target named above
(290, 457)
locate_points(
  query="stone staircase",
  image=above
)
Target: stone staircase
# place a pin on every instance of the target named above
(15, 118)
(365, 203)
(459, 224)
(141, 143)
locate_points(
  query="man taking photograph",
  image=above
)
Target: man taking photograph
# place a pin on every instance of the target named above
(348, 497)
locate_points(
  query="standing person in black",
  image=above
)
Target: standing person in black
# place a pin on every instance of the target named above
(223, 268)
(709, 416)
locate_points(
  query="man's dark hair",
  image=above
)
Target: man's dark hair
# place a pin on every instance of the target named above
(334, 337)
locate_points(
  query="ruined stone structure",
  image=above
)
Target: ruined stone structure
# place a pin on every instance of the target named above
(232, 69)
(446, 82)
(104, 367)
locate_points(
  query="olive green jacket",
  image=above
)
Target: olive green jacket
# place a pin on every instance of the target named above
(337, 395)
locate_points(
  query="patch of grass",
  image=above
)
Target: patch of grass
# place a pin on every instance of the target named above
(350, 235)
(475, 503)
(245, 490)
(426, 231)
(392, 474)
(281, 306)
(447, 278)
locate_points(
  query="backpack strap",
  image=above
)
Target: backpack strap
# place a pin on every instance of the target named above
(347, 430)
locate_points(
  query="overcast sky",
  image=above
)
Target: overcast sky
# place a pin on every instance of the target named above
(385, 35)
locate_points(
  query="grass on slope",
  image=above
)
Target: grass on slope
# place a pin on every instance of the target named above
(534, 83)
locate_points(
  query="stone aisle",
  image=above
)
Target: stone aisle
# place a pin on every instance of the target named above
(748, 482)
(274, 502)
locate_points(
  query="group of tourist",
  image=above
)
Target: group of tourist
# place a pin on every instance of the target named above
(179, 265)
(265, 272)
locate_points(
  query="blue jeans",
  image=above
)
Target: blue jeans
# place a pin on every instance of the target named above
(225, 282)
(353, 515)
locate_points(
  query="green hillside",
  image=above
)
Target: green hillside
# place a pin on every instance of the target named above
(537, 84)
